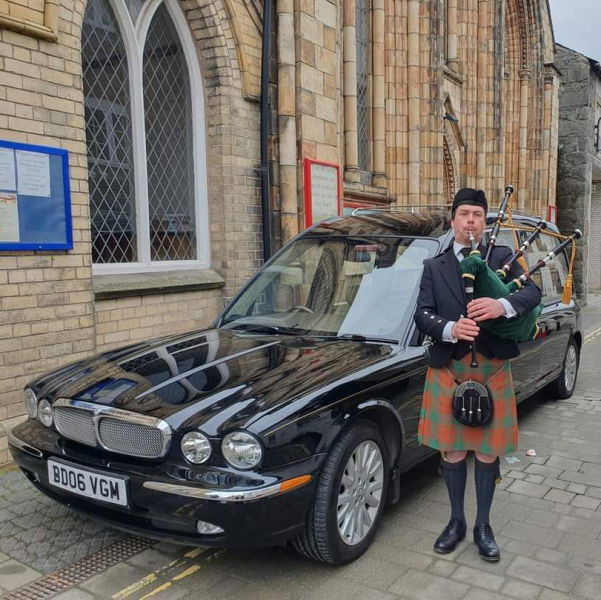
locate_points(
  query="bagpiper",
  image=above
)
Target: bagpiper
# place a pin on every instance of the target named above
(454, 324)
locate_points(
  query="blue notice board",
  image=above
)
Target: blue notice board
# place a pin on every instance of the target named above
(35, 201)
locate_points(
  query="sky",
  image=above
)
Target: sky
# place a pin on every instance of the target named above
(577, 25)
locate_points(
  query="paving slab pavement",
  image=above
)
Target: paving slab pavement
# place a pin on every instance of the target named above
(546, 516)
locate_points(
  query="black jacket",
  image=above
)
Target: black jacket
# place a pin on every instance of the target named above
(442, 299)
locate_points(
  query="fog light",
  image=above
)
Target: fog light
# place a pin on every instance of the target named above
(207, 528)
(45, 412)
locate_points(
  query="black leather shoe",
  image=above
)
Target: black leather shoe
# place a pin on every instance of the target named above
(453, 533)
(485, 540)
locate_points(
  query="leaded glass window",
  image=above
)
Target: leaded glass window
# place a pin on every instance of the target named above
(363, 28)
(109, 137)
(134, 7)
(168, 143)
(143, 133)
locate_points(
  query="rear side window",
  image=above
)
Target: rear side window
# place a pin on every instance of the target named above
(551, 277)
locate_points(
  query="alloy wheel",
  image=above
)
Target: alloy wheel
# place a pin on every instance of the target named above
(571, 367)
(360, 492)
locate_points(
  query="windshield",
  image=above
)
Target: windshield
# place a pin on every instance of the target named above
(339, 286)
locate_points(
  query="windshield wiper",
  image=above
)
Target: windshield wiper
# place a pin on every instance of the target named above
(355, 337)
(263, 328)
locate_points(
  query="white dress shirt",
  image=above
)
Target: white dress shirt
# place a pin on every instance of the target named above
(509, 310)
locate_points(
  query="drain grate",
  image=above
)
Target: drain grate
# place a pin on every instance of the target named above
(81, 570)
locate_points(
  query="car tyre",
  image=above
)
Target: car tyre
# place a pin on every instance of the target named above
(563, 387)
(328, 525)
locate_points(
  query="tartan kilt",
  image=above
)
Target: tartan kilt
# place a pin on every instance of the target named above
(439, 429)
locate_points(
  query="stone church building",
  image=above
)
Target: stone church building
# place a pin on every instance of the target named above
(158, 104)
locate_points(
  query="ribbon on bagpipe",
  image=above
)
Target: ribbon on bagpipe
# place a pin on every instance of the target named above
(488, 283)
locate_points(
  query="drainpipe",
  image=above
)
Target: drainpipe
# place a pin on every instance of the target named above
(264, 168)
(287, 118)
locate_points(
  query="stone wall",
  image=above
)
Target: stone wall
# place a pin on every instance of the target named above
(46, 299)
(577, 158)
(594, 241)
(499, 84)
(49, 314)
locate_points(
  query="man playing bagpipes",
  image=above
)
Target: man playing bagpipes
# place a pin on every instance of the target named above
(454, 322)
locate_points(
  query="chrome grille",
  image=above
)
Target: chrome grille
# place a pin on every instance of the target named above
(130, 438)
(75, 424)
(113, 429)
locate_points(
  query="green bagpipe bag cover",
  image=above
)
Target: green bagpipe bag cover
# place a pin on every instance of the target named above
(487, 284)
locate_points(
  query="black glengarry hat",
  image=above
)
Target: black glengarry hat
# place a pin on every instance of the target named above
(469, 196)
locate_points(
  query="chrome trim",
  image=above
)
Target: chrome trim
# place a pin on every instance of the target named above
(99, 412)
(13, 440)
(218, 495)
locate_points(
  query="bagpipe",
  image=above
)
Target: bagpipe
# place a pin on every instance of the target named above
(481, 281)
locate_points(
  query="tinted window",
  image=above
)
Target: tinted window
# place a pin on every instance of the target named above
(550, 278)
(337, 285)
(557, 269)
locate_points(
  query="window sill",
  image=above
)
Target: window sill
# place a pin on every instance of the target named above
(165, 282)
(359, 192)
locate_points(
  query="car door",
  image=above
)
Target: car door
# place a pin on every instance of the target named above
(525, 368)
(556, 316)
(406, 392)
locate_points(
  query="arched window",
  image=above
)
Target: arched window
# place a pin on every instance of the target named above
(145, 133)
(364, 115)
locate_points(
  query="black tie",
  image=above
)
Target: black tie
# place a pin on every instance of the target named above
(465, 251)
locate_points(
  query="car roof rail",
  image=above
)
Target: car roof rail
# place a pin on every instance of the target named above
(523, 213)
(413, 209)
(428, 208)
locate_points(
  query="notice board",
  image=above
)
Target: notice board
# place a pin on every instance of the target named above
(322, 191)
(35, 201)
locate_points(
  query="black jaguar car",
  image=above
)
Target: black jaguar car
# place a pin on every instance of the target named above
(291, 418)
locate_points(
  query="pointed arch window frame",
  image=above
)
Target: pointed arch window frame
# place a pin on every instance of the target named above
(134, 38)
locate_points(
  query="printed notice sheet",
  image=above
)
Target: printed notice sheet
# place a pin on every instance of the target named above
(9, 218)
(8, 181)
(324, 188)
(33, 173)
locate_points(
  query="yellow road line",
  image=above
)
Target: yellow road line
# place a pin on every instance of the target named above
(592, 335)
(195, 552)
(186, 573)
(157, 590)
(185, 562)
(134, 587)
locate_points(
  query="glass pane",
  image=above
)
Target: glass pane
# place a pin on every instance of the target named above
(134, 7)
(556, 266)
(168, 143)
(337, 286)
(108, 135)
(363, 106)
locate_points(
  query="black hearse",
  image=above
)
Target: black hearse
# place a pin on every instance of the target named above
(291, 418)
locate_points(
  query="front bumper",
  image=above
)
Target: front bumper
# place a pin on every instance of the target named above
(166, 507)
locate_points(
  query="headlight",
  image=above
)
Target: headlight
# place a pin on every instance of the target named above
(241, 450)
(196, 447)
(31, 402)
(45, 412)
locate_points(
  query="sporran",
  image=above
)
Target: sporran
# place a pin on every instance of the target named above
(472, 402)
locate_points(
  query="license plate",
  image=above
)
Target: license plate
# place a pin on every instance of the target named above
(91, 484)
